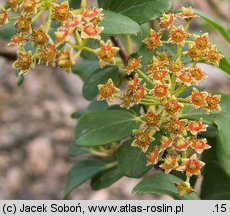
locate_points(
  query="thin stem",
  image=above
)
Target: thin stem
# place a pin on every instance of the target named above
(37, 15)
(35, 55)
(90, 50)
(145, 77)
(49, 20)
(13, 18)
(129, 45)
(180, 90)
(98, 153)
(187, 104)
(118, 96)
(149, 100)
(76, 11)
(112, 164)
(77, 54)
(73, 45)
(186, 42)
(83, 4)
(173, 79)
(147, 103)
(77, 37)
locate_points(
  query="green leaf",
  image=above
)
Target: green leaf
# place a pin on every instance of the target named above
(222, 121)
(132, 161)
(7, 31)
(139, 10)
(20, 79)
(134, 110)
(85, 68)
(161, 183)
(225, 65)
(75, 150)
(137, 39)
(100, 128)
(75, 4)
(216, 183)
(81, 171)
(106, 178)
(117, 24)
(76, 115)
(215, 24)
(94, 106)
(100, 76)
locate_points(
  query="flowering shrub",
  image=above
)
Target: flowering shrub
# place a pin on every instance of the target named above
(158, 122)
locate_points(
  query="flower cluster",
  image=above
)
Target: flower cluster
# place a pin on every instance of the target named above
(169, 140)
(55, 46)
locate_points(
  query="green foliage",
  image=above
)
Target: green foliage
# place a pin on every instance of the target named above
(75, 4)
(161, 183)
(216, 183)
(117, 24)
(81, 171)
(106, 178)
(20, 79)
(132, 161)
(225, 65)
(75, 150)
(7, 31)
(104, 127)
(94, 106)
(139, 10)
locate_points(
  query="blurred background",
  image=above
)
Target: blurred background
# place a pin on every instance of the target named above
(36, 129)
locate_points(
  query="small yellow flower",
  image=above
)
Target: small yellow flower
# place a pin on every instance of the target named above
(178, 36)
(107, 91)
(153, 40)
(184, 188)
(170, 163)
(106, 53)
(133, 64)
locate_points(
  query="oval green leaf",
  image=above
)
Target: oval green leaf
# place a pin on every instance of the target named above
(100, 128)
(132, 161)
(7, 31)
(94, 106)
(117, 24)
(106, 178)
(225, 65)
(75, 150)
(162, 183)
(81, 171)
(85, 68)
(216, 183)
(139, 10)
